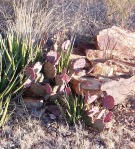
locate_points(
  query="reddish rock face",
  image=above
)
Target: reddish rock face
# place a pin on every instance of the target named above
(117, 42)
(86, 84)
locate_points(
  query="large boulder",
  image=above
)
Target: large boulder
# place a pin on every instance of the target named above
(116, 42)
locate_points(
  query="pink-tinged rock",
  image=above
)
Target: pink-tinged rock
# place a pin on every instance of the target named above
(82, 85)
(108, 102)
(94, 54)
(103, 69)
(80, 64)
(116, 42)
(112, 67)
(37, 67)
(92, 84)
(108, 117)
(120, 90)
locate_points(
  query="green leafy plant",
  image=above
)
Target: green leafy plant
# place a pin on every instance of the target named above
(65, 55)
(74, 107)
(16, 53)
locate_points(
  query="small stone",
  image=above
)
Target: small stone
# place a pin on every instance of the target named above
(52, 116)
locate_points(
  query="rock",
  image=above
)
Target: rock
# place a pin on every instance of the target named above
(117, 43)
(80, 64)
(111, 68)
(33, 103)
(52, 116)
(119, 90)
(103, 69)
(54, 110)
(94, 54)
(84, 84)
(77, 54)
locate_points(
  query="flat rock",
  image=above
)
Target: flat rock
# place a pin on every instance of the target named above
(120, 89)
(85, 84)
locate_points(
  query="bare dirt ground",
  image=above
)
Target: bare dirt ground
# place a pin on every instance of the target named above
(34, 129)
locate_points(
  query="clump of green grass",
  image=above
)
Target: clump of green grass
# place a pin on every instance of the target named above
(65, 57)
(74, 108)
(16, 54)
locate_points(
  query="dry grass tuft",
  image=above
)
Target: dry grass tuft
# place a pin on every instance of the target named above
(82, 17)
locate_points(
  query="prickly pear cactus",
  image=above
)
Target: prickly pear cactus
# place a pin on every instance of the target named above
(48, 89)
(63, 78)
(53, 57)
(41, 90)
(28, 83)
(108, 102)
(38, 89)
(37, 67)
(49, 70)
(58, 80)
(30, 74)
(108, 117)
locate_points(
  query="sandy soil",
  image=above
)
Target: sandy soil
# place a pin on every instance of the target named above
(33, 129)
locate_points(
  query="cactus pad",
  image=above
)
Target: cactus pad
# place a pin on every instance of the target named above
(30, 73)
(61, 79)
(53, 57)
(37, 67)
(108, 117)
(49, 70)
(108, 102)
(48, 89)
(38, 89)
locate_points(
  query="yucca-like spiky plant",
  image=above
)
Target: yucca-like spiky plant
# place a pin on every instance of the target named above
(16, 53)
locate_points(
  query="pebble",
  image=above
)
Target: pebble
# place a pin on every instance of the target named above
(52, 116)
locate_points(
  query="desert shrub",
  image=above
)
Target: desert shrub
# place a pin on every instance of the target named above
(119, 11)
(82, 17)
